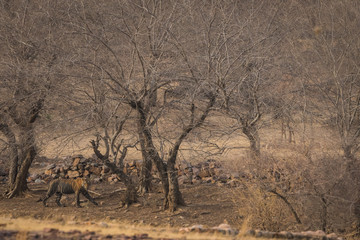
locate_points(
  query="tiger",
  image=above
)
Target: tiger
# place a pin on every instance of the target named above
(68, 186)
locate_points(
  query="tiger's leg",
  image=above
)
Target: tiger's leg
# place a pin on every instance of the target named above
(77, 194)
(58, 198)
(48, 195)
(46, 198)
(87, 195)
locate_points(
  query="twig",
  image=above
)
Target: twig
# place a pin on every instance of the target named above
(94, 192)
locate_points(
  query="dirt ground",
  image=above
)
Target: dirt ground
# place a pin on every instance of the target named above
(207, 204)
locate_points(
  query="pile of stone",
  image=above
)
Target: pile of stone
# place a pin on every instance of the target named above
(209, 171)
(80, 167)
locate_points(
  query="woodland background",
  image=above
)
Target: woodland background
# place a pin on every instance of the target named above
(270, 88)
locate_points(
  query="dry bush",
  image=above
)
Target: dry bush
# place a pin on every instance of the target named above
(307, 190)
(262, 209)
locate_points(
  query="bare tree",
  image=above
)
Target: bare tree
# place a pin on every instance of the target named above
(138, 63)
(326, 48)
(329, 39)
(28, 64)
(237, 51)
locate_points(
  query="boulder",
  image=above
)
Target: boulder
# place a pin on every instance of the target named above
(95, 170)
(51, 166)
(76, 161)
(73, 174)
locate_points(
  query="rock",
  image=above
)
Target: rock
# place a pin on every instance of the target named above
(97, 180)
(51, 166)
(284, 234)
(225, 228)
(81, 167)
(194, 228)
(73, 168)
(234, 175)
(332, 236)
(196, 171)
(73, 174)
(319, 233)
(34, 176)
(182, 179)
(86, 173)
(49, 171)
(104, 225)
(233, 183)
(38, 181)
(217, 171)
(95, 170)
(105, 169)
(222, 178)
(204, 173)
(50, 230)
(196, 181)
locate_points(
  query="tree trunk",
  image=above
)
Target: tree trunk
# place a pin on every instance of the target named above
(348, 151)
(26, 158)
(174, 197)
(27, 149)
(14, 158)
(20, 185)
(160, 166)
(150, 150)
(145, 175)
(254, 139)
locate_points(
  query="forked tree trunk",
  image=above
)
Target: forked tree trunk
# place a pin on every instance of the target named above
(149, 151)
(26, 159)
(174, 197)
(20, 185)
(23, 151)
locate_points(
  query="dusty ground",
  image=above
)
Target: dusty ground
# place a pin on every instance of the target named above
(207, 204)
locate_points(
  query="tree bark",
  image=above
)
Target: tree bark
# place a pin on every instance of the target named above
(174, 197)
(149, 150)
(145, 175)
(253, 137)
(27, 144)
(4, 128)
(20, 185)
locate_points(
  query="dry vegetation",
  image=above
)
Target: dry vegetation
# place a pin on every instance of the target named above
(270, 89)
